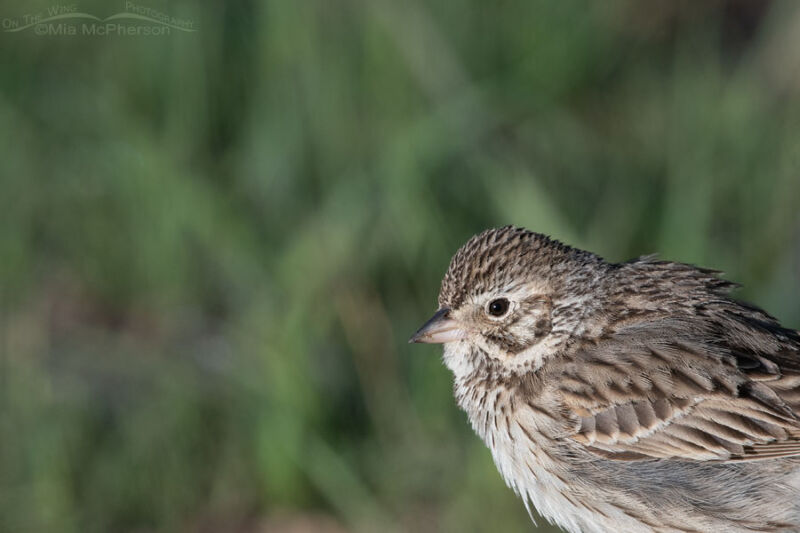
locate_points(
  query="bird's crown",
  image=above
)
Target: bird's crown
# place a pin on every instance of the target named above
(502, 257)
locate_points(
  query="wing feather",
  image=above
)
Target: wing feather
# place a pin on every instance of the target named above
(677, 401)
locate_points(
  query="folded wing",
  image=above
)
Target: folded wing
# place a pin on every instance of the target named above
(671, 398)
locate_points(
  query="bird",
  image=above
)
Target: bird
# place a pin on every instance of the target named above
(622, 397)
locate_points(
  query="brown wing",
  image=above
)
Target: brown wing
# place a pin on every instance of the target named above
(673, 399)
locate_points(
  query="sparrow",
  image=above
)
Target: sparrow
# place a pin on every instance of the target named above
(622, 397)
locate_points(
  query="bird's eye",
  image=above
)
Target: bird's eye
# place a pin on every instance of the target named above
(498, 307)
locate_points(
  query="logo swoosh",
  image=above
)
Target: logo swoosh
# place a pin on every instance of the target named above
(117, 16)
(58, 17)
(120, 16)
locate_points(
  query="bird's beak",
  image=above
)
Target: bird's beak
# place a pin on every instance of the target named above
(439, 329)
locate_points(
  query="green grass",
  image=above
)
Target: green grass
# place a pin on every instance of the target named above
(214, 245)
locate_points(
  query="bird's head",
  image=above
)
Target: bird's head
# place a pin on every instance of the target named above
(508, 295)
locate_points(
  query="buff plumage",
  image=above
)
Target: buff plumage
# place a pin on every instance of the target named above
(636, 396)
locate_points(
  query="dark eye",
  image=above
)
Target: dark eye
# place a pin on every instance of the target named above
(498, 307)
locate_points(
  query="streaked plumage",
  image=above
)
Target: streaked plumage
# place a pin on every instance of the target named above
(623, 397)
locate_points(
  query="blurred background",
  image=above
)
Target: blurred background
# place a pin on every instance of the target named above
(215, 244)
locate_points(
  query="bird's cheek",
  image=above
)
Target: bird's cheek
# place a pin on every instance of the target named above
(503, 342)
(524, 335)
(542, 326)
